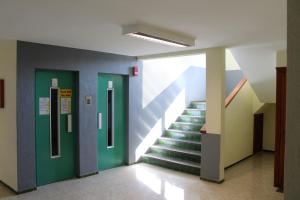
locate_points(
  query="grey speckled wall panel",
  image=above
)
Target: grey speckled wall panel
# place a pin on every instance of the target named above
(292, 146)
(210, 157)
(32, 56)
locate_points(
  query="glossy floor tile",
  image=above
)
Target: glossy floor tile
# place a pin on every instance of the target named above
(251, 179)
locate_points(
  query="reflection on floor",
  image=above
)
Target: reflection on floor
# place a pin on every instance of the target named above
(251, 179)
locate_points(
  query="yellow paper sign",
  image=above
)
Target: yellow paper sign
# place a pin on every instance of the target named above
(65, 93)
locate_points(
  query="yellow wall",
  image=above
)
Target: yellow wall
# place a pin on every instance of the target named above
(239, 126)
(8, 132)
(269, 111)
(230, 62)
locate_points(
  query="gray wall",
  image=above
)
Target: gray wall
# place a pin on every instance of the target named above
(88, 64)
(233, 77)
(292, 153)
(144, 119)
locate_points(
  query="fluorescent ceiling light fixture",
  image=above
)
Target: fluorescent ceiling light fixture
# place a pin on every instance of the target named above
(155, 34)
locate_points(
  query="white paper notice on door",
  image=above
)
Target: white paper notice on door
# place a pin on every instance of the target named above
(65, 106)
(44, 106)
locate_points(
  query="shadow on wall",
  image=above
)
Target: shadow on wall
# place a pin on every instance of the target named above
(167, 106)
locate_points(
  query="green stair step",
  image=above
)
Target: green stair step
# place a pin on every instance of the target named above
(180, 143)
(198, 104)
(173, 163)
(180, 140)
(184, 151)
(192, 119)
(179, 134)
(194, 112)
(184, 132)
(173, 160)
(177, 153)
(187, 126)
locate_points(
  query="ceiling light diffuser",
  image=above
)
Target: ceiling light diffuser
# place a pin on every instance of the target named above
(159, 35)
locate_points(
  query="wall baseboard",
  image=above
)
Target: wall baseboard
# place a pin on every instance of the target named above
(239, 161)
(212, 181)
(87, 175)
(268, 151)
(264, 150)
(14, 191)
(8, 187)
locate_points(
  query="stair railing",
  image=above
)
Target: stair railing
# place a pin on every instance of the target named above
(229, 98)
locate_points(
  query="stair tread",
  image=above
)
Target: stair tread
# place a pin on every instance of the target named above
(184, 132)
(179, 140)
(186, 151)
(195, 109)
(188, 123)
(191, 116)
(174, 160)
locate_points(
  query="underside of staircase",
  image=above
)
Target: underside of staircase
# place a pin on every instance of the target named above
(179, 148)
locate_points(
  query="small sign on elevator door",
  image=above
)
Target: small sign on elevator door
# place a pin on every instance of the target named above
(44, 106)
(65, 105)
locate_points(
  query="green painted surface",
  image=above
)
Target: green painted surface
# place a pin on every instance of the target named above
(114, 156)
(49, 169)
(167, 153)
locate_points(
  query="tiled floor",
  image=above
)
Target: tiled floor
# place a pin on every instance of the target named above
(251, 179)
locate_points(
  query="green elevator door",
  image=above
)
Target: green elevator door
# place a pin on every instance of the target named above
(55, 119)
(111, 121)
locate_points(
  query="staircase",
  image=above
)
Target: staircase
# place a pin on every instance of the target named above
(179, 148)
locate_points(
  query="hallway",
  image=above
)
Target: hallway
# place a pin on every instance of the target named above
(250, 179)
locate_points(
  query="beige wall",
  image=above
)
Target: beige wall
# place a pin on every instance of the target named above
(281, 58)
(215, 95)
(8, 138)
(269, 111)
(239, 126)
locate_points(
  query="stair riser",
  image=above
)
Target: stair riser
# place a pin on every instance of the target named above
(191, 119)
(199, 105)
(169, 165)
(180, 145)
(172, 154)
(183, 136)
(200, 113)
(186, 127)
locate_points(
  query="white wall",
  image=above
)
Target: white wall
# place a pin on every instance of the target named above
(239, 126)
(258, 64)
(8, 137)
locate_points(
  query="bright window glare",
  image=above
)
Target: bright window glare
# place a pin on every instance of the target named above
(158, 185)
(149, 140)
(149, 179)
(175, 109)
(158, 74)
(172, 192)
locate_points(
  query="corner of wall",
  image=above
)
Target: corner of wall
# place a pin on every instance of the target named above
(8, 119)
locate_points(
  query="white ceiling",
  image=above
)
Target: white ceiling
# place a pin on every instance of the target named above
(96, 24)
